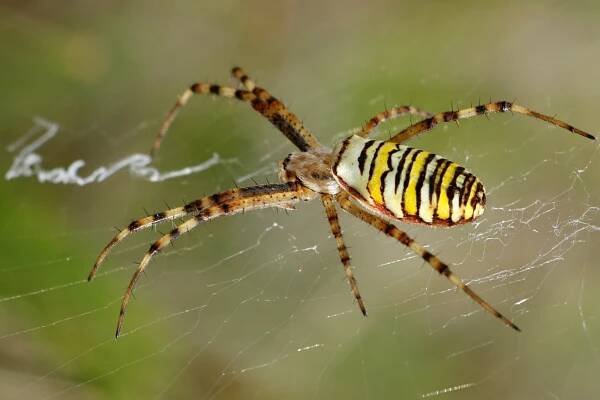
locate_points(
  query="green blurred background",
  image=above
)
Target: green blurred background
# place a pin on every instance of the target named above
(256, 306)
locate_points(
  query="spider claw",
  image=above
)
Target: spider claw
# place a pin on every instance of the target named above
(362, 307)
(92, 273)
(120, 323)
(587, 135)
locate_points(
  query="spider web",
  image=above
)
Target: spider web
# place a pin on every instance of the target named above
(257, 305)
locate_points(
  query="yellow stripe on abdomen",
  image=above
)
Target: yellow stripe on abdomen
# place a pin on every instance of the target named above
(410, 194)
(380, 167)
(469, 204)
(443, 206)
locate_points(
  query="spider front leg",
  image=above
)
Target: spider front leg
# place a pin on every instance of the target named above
(241, 75)
(189, 209)
(336, 230)
(392, 113)
(135, 226)
(484, 109)
(248, 199)
(198, 88)
(442, 268)
(277, 113)
(260, 100)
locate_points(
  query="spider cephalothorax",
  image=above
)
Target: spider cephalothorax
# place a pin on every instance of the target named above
(311, 168)
(385, 178)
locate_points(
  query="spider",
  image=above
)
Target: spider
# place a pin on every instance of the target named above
(378, 182)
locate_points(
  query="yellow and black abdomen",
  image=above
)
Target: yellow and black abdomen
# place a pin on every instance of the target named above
(407, 183)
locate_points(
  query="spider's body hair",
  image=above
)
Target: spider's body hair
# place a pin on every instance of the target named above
(407, 184)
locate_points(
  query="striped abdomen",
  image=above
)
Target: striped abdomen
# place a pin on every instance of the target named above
(407, 183)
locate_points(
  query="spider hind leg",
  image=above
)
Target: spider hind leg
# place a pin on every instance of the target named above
(336, 230)
(442, 268)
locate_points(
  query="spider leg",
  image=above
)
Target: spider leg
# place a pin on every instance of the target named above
(484, 109)
(135, 226)
(443, 269)
(251, 198)
(260, 99)
(262, 93)
(392, 113)
(334, 223)
(249, 84)
(190, 209)
(277, 113)
(197, 88)
(241, 75)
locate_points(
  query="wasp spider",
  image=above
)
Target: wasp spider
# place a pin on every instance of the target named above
(379, 182)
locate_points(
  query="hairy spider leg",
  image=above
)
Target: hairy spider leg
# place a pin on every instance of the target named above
(190, 209)
(135, 226)
(248, 83)
(484, 109)
(241, 75)
(251, 198)
(198, 88)
(442, 268)
(336, 230)
(277, 113)
(392, 113)
(261, 100)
